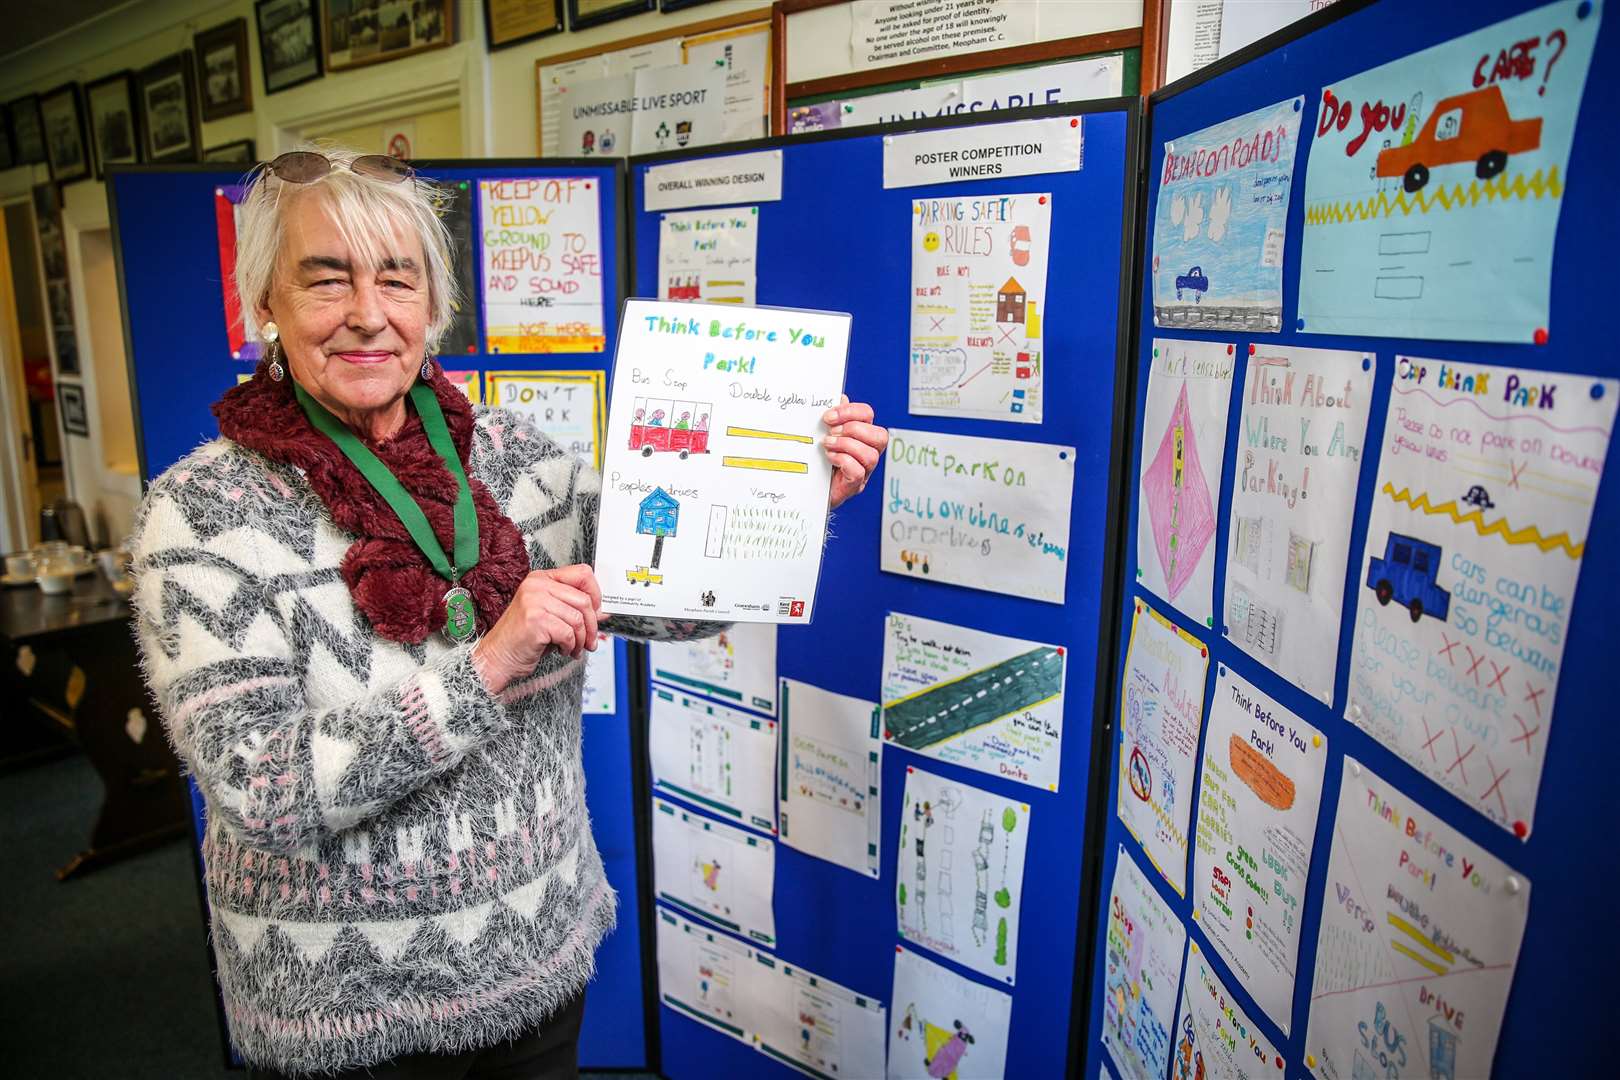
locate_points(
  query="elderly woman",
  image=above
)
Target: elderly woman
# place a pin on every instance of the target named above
(363, 611)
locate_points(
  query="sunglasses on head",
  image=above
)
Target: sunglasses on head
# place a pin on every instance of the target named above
(306, 167)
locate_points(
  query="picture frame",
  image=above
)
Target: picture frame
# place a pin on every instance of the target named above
(70, 401)
(289, 43)
(679, 5)
(27, 130)
(356, 33)
(239, 151)
(513, 22)
(115, 134)
(584, 13)
(61, 114)
(167, 105)
(224, 76)
(7, 157)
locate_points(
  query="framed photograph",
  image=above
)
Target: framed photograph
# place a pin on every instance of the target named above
(114, 137)
(168, 110)
(61, 111)
(223, 73)
(512, 22)
(27, 132)
(583, 13)
(289, 43)
(70, 399)
(679, 5)
(360, 32)
(239, 151)
(7, 158)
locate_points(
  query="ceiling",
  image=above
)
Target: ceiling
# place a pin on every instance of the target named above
(29, 22)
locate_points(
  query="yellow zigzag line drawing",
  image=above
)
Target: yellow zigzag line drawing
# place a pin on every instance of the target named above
(1500, 527)
(1455, 197)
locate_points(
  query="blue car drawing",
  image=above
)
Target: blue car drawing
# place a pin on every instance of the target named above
(1195, 280)
(1406, 575)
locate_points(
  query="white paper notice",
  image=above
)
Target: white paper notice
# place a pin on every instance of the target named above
(678, 107)
(990, 514)
(1183, 452)
(1420, 937)
(982, 701)
(984, 152)
(1161, 714)
(978, 304)
(736, 178)
(714, 493)
(601, 680)
(708, 976)
(568, 406)
(1261, 788)
(1298, 465)
(830, 775)
(1145, 944)
(818, 1027)
(712, 870)
(942, 1025)
(714, 756)
(737, 666)
(1215, 1037)
(887, 32)
(597, 117)
(743, 53)
(961, 872)
(708, 255)
(542, 265)
(1479, 520)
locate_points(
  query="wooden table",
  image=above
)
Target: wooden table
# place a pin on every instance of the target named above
(73, 656)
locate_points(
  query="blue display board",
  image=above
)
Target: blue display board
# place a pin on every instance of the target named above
(838, 240)
(165, 238)
(1568, 870)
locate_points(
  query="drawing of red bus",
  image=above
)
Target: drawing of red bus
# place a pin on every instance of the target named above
(667, 425)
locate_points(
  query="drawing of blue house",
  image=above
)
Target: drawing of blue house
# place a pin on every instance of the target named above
(658, 514)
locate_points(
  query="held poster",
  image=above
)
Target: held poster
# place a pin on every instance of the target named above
(1216, 1038)
(1261, 787)
(1222, 221)
(737, 665)
(708, 255)
(541, 271)
(1144, 949)
(714, 491)
(943, 1025)
(982, 701)
(1183, 454)
(567, 406)
(714, 871)
(1420, 937)
(990, 514)
(1479, 519)
(960, 874)
(978, 304)
(1161, 714)
(719, 758)
(1298, 464)
(831, 805)
(1435, 182)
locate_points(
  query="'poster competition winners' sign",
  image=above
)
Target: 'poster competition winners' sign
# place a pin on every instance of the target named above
(715, 484)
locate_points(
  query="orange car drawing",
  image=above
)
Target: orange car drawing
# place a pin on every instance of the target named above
(1468, 127)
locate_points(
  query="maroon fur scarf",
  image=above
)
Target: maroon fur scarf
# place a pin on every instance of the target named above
(390, 579)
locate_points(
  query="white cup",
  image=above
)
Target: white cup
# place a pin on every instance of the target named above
(20, 565)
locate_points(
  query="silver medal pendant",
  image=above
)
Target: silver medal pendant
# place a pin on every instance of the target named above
(460, 615)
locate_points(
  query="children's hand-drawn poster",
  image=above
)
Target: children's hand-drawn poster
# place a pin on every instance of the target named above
(1215, 1038)
(1435, 182)
(1221, 223)
(1183, 454)
(830, 776)
(990, 514)
(982, 701)
(1479, 520)
(1298, 464)
(542, 265)
(737, 665)
(1420, 936)
(708, 976)
(942, 1025)
(568, 406)
(719, 758)
(708, 255)
(468, 383)
(817, 1026)
(961, 872)
(601, 680)
(1161, 714)
(714, 491)
(1145, 943)
(978, 301)
(1257, 806)
(714, 871)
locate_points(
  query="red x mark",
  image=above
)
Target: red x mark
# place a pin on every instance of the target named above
(938, 324)
(1006, 335)
(1524, 735)
(1533, 696)
(1516, 471)
(1476, 661)
(1496, 680)
(1496, 786)
(1461, 757)
(1429, 746)
(1446, 652)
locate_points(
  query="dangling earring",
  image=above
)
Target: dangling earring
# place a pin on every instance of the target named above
(272, 336)
(427, 368)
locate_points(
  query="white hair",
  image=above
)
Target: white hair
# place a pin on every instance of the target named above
(369, 213)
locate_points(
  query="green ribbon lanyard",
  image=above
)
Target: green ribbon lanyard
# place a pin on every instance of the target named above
(460, 615)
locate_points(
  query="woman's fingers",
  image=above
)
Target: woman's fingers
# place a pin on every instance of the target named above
(865, 453)
(581, 577)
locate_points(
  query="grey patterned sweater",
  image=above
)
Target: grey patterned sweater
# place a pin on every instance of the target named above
(397, 861)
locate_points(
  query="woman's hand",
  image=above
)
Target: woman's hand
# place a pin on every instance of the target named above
(552, 609)
(854, 445)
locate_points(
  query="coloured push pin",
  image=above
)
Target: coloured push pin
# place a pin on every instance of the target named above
(1513, 884)
(1316, 740)
(1355, 768)
(1521, 830)
(1310, 1059)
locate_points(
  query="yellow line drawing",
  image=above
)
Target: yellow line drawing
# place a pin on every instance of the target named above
(765, 464)
(1529, 534)
(761, 433)
(1456, 197)
(1417, 935)
(1430, 964)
